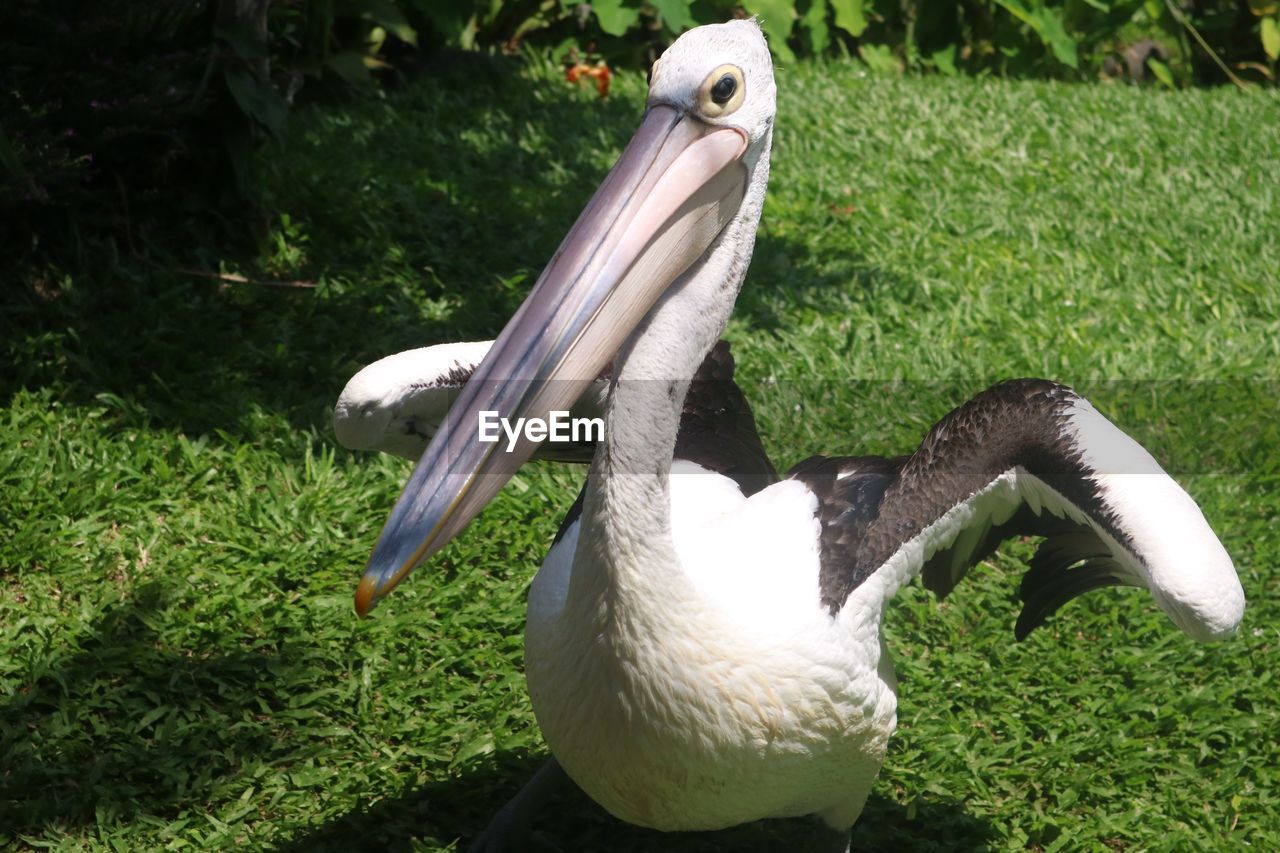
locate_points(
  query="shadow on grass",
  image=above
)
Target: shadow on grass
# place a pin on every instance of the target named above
(457, 810)
(126, 725)
(423, 219)
(131, 726)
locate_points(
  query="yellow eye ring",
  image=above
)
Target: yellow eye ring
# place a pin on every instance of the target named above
(722, 92)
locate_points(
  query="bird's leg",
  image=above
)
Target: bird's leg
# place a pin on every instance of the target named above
(835, 825)
(509, 828)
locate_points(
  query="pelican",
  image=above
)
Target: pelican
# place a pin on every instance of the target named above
(700, 655)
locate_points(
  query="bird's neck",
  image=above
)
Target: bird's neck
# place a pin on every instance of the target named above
(626, 561)
(626, 556)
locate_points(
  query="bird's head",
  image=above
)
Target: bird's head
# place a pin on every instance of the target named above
(697, 163)
(719, 76)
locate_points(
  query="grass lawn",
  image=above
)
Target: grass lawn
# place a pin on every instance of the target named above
(180, 665)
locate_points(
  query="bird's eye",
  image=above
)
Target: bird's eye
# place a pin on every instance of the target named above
(722, 92)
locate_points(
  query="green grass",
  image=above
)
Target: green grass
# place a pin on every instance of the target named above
(179, 537)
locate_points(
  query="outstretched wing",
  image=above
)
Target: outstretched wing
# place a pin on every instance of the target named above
(396, 404)
(1026, 457)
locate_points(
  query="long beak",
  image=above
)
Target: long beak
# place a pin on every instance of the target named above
(667, 198)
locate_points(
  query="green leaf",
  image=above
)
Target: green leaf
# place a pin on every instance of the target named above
(1019, 11)
(851, 16)
(1055, 35)
(879, 58)
(1271, 38)
(455, 21)
(256, 99)
(776, 19)
(481, 745)
(675, 15)
(1160, 71)
(387, 15)
(945, 60)
(243, 40)
(150, 717)
(350, 66)
(814, 21)
(1047, 23)
(615, 18)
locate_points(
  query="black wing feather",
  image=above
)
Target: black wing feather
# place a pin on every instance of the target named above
(1051, 591)
(871, 507)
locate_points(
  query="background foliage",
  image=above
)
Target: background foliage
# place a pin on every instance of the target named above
(114, 115)
(113, 112)
(1071, 38)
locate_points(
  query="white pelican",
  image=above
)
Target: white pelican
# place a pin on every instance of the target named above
(698, 657)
